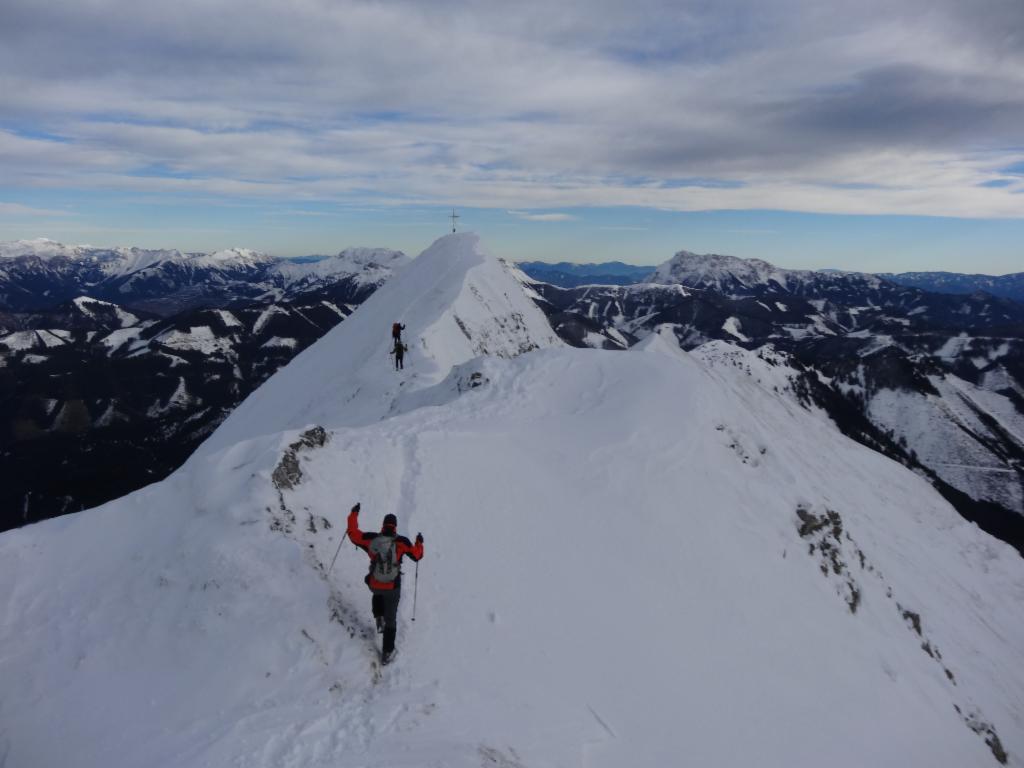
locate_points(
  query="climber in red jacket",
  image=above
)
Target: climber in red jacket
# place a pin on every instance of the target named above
(386, 550)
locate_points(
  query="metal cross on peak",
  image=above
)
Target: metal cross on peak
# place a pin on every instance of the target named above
(453, 217)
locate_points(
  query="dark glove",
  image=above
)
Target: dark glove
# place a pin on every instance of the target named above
(419, 538)
(356, 509)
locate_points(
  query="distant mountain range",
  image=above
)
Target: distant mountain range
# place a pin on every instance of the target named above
(736, 277)
(754, 271)
(40, 274)
(1007, 286)
(98, 398)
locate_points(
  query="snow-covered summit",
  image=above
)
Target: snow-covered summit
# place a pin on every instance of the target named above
(686, 267)
(639, 558)
(456, 302)
(732, 275)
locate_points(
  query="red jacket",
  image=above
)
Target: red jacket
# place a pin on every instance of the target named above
(402, 547)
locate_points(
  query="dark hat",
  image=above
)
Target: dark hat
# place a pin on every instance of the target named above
(390, 521)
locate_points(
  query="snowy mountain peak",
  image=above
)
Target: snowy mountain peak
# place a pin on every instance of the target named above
(735, 276)
(456, 302)
(707, 270)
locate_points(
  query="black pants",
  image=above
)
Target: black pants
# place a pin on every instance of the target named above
(386, 605)
(399, 362)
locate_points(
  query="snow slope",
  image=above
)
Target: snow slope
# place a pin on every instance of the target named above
(639, 558)
(961, 431)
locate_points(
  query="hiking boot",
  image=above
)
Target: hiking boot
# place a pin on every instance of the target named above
(387, 657)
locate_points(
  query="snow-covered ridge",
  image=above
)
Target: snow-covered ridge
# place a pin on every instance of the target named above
(1010, 286)
(730, 274)
(456, 302)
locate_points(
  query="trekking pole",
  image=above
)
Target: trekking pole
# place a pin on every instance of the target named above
(415, 589)
(343, 537)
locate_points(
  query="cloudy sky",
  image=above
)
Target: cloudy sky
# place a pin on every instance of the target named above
(868, 135)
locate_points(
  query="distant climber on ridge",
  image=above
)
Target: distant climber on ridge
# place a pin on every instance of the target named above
(399, 353)
(396, 331)
(386, 550)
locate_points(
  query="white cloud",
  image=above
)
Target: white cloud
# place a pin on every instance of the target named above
(796, 105)
(542, 216)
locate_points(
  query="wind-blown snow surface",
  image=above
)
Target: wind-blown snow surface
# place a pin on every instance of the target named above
(614, 573)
